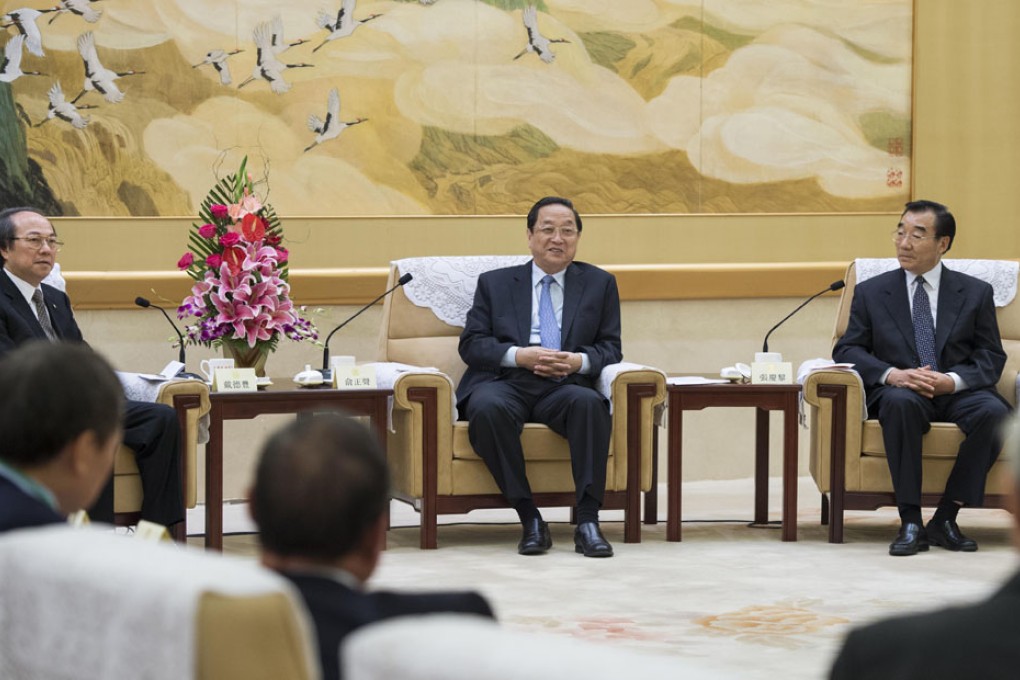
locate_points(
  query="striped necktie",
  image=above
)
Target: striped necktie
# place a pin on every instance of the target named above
(44, 314)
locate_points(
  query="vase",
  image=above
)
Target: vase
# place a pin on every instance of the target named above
(247, 357)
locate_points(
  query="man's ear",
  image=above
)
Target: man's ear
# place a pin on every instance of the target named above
(81, 453)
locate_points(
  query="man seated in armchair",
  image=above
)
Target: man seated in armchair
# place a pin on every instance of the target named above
(535, 341)
(926, 343)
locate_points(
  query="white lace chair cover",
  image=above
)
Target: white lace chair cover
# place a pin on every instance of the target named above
(446, 285)
(1001, 274)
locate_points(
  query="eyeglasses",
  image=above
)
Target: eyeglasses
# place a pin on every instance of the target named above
(914, 237)
(565, 232)
(36, 242)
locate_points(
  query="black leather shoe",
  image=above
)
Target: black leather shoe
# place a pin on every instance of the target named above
(947, 534)
(536, 538)
(910, 540)
(588, 539)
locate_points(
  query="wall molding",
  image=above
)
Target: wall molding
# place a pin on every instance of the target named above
(328, 287)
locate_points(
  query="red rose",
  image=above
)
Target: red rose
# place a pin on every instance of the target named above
(230, 239)
(253, 228)
(207, 230)
(186, 260)
(219, 211)
(273, 240)
(214, 260)
(234, 257)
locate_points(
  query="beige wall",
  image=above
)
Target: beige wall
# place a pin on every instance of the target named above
(967, 131)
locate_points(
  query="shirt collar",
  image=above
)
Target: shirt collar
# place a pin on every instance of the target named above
(26, 288)
(29, 486)
(931, 277)
(537, 275)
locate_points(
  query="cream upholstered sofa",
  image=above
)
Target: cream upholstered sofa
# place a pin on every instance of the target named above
(193, 399)
(86, 603)
(848, 460)
(433, 464)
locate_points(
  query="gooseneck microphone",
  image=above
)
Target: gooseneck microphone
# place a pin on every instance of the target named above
(142, 302)
(325, 348)
(835, 285)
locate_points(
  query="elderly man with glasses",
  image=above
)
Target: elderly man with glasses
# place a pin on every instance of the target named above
(31, 310)
(926, 343)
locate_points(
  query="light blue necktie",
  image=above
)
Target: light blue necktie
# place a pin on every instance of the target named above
(924, 328)
(548, 329)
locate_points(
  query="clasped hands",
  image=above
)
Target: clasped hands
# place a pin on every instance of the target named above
(548, 363)
(924, 381)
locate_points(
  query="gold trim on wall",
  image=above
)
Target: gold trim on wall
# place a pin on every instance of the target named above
(327, 287)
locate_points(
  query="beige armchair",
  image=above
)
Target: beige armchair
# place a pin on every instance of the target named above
(433, 465)
(848, 460)
(191, 399)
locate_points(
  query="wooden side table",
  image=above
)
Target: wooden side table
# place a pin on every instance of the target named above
(247, 405)
(763, 398)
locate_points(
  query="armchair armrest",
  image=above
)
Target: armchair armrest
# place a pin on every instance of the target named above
(638, 396)
(193, 397)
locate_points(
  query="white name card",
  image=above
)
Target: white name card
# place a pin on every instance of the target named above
(354, 377)
(235, 380)
(772, 372)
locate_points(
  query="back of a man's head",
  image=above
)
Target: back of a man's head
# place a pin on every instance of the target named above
(320, 484)
(50, 394)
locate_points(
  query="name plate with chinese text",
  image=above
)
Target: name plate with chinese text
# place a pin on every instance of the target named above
(235, 380)
(354, 377)
(771, 373)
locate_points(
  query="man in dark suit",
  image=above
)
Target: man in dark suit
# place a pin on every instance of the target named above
(31, 310)
(320, 497)
(60, 412)
(926, 344)
(535, 341)
(975, 641)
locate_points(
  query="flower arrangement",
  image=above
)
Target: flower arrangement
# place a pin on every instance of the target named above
(241, 298)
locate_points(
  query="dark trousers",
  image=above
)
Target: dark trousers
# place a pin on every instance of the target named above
(906, 416)
(496, 414)
(152, 432)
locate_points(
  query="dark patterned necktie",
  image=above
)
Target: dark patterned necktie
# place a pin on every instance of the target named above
(924, 328)
(44, 314)
(548, 329)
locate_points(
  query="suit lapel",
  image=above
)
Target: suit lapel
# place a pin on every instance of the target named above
(571, 300)
(949, 304)
(520, 297)
(898, 305)
(20, 305)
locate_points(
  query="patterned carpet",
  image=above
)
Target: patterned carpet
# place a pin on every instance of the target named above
(730, 597)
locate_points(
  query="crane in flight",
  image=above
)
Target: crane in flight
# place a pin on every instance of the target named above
(537, 42)
(24, 20)
(64, 110)
(218, 60)
(332, 126)
(343, 25)
(97, 76)
(267, 66)
(82, 8)
(10, 66)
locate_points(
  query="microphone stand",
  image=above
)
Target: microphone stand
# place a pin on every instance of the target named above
(835, 285)
(183, 373)
(327, 372)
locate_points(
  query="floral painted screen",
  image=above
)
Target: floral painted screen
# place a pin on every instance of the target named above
(457, 107)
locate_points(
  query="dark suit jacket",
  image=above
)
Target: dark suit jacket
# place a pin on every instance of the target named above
(880, 334)
(18, 510)
(18, 323)
(337, 610)
(977, 641)
(501, 318)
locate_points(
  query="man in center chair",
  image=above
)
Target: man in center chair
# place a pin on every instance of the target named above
(535, 341)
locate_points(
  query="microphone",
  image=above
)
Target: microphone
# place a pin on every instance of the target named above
(142, 302)
(835, 285)
(326, 374)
